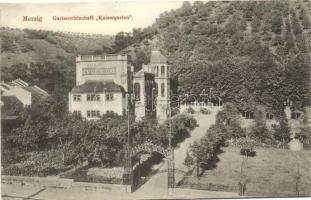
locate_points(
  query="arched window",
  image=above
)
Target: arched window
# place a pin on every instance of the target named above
(162, 70)
(248, 114)
(295, 115)
(162, 90)
(155, 90)
(157, 71)
(269, 116)
(137, 91)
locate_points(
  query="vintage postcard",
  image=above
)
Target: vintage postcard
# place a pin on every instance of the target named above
(155, 100)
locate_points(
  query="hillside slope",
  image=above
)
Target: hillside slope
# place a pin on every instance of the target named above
(26, 46)
(272, 172)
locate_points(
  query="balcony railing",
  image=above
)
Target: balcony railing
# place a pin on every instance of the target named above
(101, 57)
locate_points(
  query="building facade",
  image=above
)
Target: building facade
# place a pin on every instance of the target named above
(102, 83)
(108, 83)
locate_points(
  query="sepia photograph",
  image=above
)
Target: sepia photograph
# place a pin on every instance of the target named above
(171, 99)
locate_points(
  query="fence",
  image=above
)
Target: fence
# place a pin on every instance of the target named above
(197, 106)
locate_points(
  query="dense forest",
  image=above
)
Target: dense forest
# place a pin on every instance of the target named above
(248, 52)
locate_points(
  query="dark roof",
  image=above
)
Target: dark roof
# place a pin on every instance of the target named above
(157, 58)
(97, 86)
(36, 91)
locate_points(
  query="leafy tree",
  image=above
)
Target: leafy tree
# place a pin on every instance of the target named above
(306, 24)
(149, 129)
(260, 130)
(206, 150)
(278, 40)
(32, 134)
(276, 23)
(282, 132)
(12, 106)
(15, 71)
(229, 120)
(140, 59)
(301, 43)
(289, 40)
(295, 23)
(247, 146)
(305, 128)
(188, 160)
(186, 9)
(297, 77)
(122, 40)
(255, 24)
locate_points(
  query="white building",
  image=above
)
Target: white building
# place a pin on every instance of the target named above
(23, 91)
(103, 83)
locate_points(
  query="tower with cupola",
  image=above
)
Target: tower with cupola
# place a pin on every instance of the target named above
(159, 67)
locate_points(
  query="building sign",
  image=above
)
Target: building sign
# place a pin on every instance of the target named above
(99, 71)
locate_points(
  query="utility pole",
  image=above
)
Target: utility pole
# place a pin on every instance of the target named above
(128, 171)
(171, 177)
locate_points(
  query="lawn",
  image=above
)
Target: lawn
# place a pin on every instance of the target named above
(272, 172)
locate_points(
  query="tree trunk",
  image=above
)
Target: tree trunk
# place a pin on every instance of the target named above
(198, 169)
(283, 143)
(63, 157)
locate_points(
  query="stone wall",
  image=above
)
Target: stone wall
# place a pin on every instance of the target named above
(60, 183)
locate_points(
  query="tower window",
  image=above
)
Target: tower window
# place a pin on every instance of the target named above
(162, 90)
(137, 91)
(156, 71)
(162, 70)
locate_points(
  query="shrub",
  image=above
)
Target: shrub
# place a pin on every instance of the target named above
(205, 111)
(247, 152)
(190, 110)
(38, 164)
(51, 40)
(278, 40)
(247, 146)
(188, 160)
(207, 149)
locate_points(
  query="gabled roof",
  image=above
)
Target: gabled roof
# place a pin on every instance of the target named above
(33, 89)
(97, 86)
(157, 58)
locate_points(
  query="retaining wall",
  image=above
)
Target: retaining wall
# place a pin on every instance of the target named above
(45, 182)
